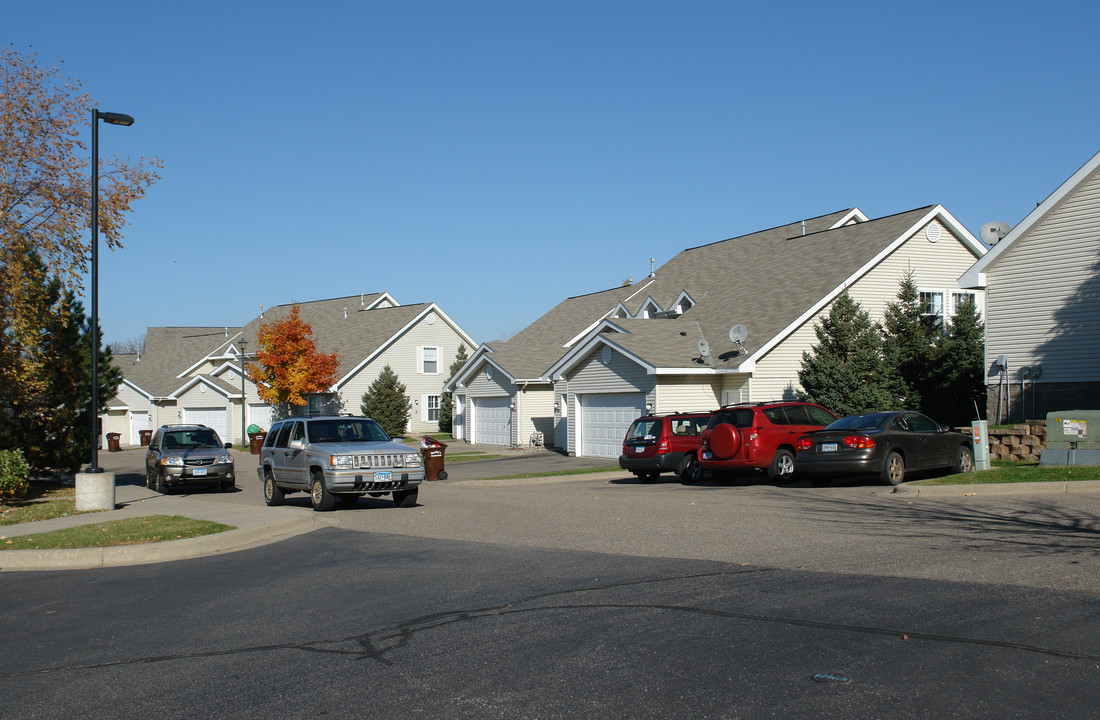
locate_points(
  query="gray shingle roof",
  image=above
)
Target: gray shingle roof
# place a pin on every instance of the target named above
(764, 280)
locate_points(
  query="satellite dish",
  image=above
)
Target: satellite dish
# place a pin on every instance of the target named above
(704, 347)
(738, 334)
(991, 233)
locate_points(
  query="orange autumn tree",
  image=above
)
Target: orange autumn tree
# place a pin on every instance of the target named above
(288, 365)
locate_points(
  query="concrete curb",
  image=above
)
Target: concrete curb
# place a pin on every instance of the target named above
(228, 541)
(1064, 487)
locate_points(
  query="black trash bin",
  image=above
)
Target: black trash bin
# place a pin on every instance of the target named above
(433, 450)
(112, 442)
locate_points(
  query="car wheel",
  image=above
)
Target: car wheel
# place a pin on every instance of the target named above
(964, 462)
(689, 469)
(405, 498)
(893, 472)
(322, 499)
(648, 477)
(782, 468)
(159, 483)
(150, 479)
(273, 494)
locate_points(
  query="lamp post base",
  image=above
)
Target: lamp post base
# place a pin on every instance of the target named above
(95, 491)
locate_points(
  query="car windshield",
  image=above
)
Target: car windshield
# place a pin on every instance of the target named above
(346, 430)
(191, 439)
(859, 422)
(643, 429)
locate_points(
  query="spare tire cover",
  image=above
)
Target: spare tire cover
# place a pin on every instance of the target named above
(725, 441)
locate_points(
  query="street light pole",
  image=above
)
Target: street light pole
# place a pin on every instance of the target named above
(244, 401)
(113, 119)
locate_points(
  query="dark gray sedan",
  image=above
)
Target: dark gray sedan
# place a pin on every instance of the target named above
(885, 444)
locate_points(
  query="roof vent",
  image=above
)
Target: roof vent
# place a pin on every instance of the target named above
(261, 311)
(652, 273)
(345, 313)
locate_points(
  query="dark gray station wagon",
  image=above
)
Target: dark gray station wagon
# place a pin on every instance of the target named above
(337, 458)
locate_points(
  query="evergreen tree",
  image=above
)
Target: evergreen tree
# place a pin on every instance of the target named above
(446, 406)
(47, 399)
(844, 371)
(387, 404)
(909, 344)
(957, 376)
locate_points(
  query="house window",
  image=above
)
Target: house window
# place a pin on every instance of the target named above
(433, 404)
(429, 360)
(931, 306)
(934, 307)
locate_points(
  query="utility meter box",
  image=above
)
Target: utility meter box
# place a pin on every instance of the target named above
(980, 430)
(1073, 438)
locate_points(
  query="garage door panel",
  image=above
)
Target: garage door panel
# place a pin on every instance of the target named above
(605, 420)
(216, 419)
(492, 421)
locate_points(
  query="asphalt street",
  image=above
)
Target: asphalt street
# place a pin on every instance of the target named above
(591, 596)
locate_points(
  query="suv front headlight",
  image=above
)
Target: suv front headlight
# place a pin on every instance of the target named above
(225, 459)
(341, 461)
(172, 460)
(412, 460)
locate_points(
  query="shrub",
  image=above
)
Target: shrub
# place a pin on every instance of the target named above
(14, 474)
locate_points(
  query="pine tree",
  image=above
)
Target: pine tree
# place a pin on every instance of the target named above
(387, 404)
(844, 371)
(909, 340)
(46, 413)
(446, 406)
(957, 373)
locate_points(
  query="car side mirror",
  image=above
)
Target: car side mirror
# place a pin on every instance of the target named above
(945, 429)
(296, 444)
(228, 446)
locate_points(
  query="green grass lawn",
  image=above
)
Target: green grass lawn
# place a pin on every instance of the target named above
(1008, 472)
(131, 531)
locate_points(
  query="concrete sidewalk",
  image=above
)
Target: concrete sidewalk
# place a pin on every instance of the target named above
(254, 525)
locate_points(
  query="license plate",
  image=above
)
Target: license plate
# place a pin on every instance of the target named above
(383, 476)
(828, 447)
(198, 472)
(637, 448)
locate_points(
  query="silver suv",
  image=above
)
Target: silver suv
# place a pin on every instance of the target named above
(188, 455)
(337, 458)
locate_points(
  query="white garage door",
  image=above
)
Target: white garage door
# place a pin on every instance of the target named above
(139, 420)
(259, 414)
(215, 418)
(492, 421)
(605, 420)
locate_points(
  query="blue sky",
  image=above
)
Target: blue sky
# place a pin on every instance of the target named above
(497, 157)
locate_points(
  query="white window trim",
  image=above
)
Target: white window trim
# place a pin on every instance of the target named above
(949, 301)
(420, 359)
(426, 415)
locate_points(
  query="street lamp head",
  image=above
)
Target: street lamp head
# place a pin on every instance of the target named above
(114, 118)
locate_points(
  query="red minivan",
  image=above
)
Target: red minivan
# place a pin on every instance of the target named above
(663, 443)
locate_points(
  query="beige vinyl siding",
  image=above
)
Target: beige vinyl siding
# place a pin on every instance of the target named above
(403, 356)
(1043, 295)
(687, 393)
(481, 386)
(934, 265)
(735, 388)
(621, 375)
(535, 412)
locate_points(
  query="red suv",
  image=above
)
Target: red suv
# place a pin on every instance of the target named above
(663, 443)
(760, 436)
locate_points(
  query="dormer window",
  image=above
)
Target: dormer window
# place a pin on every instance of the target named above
(649, 309)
